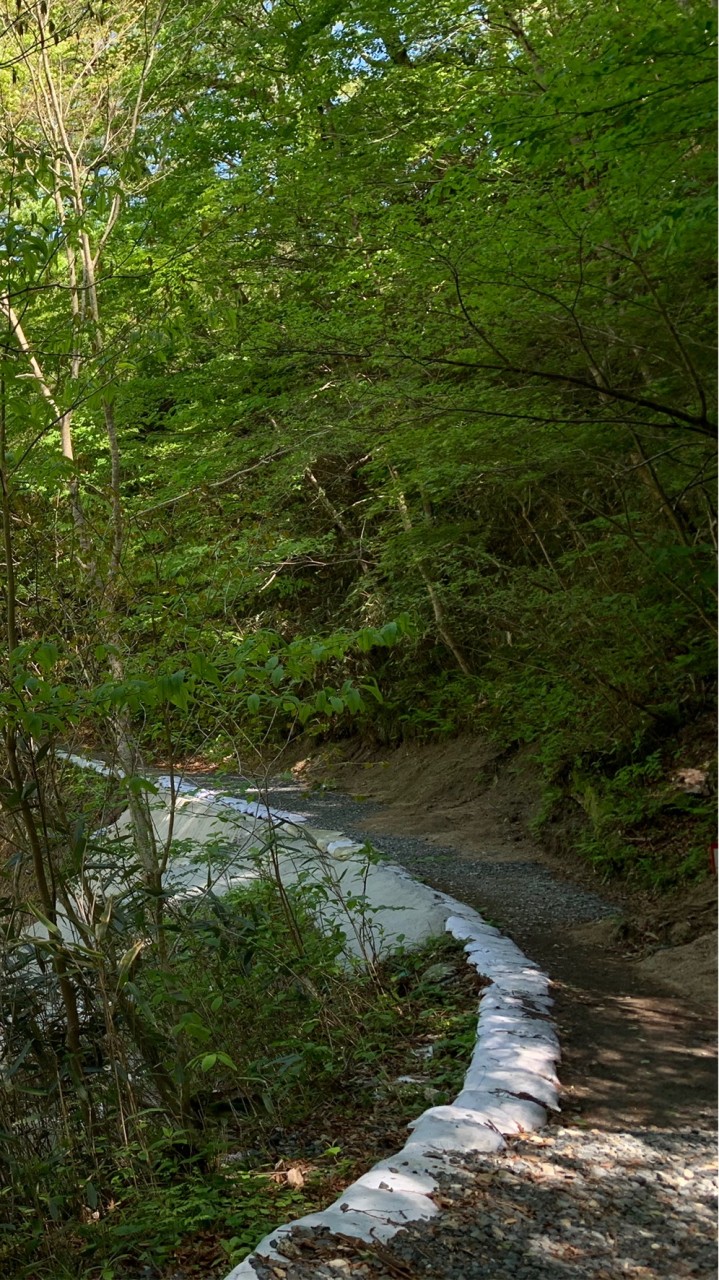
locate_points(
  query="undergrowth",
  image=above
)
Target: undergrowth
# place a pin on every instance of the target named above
(287, 1064)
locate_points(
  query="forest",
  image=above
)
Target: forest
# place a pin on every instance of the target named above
(356, 383)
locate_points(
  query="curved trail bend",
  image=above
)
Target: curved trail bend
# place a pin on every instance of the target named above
(633, 1053)
(622, 1183)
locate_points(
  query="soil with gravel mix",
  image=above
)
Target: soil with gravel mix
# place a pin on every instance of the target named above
(558, 1204)
(633, 1052)
(622, 1183)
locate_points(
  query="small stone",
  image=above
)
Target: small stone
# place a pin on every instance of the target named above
(439, 973)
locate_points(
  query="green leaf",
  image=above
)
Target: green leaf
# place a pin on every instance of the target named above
(226, 1060)
(46, 656)
(127, 961)
(204, 669)
(39, 915)
(77, 839)
(353, 700)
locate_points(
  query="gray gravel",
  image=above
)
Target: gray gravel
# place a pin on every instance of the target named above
(558, 1204)
(522, 890)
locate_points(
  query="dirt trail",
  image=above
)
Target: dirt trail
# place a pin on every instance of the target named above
(636, 1052)
(622, 1183)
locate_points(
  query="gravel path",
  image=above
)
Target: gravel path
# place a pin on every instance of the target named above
(526, 890)
(625, 1200)
(558, 1204)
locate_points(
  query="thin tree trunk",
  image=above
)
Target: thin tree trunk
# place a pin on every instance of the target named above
(443, 629)
(335, 516)
(82, 272)
(648, 475)
(47, 897)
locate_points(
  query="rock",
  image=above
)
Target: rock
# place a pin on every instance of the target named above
(693, 782)
(439, 973)
(680, 933)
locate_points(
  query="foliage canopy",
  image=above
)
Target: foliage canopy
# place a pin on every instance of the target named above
(357, 373)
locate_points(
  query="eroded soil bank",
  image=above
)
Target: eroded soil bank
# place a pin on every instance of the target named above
(634, 973)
